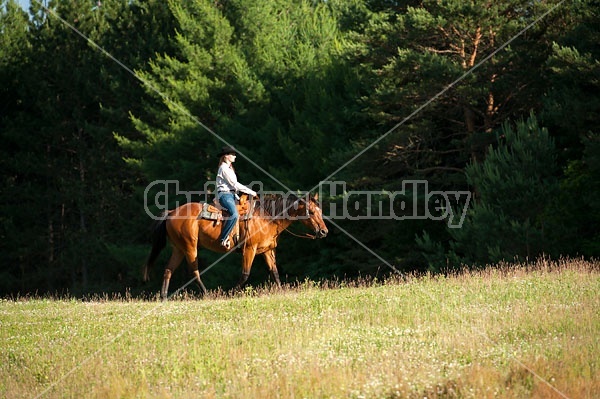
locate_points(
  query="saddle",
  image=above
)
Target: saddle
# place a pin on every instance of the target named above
(216, 212)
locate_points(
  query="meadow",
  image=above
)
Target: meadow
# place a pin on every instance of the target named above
(514, 331)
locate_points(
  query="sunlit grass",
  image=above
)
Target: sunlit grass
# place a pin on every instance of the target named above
(477, 334)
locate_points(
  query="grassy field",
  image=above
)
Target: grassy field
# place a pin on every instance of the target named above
(514, 332)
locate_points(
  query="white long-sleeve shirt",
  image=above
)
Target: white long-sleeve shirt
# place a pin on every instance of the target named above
(227, 181)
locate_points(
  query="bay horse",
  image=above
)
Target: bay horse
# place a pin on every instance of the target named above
(258, 235)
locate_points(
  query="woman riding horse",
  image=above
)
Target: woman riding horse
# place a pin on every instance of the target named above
(187, 233)
(227, 188)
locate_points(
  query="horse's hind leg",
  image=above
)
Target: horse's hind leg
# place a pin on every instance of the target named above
(199, 281)
(173, 264)
(192, 260)
(270, 259)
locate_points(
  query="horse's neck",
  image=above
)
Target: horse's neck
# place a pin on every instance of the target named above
(282, 224)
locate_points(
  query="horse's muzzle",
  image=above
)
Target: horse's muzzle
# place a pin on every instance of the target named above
(322, 233)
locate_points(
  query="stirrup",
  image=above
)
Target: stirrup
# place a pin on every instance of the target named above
(226, 243)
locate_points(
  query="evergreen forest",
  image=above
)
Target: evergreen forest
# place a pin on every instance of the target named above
(98, 99)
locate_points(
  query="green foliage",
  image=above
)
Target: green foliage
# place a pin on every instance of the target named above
(571, 112)
(67, 192)
(575, 212)
(270, 78)
(514, 186)
(426, 47)
(300, 88)
(517, 175)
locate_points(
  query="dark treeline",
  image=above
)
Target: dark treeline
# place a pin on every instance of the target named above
(300, 88)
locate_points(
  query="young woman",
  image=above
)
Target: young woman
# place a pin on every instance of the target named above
(227, 186)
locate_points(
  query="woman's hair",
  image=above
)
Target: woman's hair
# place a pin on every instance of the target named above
(222, 159)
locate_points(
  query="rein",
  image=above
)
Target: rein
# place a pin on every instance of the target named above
(306, 235)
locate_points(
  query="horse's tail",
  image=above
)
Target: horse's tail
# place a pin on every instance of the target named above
(159, 241)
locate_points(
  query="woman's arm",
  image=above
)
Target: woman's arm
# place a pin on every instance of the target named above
(230, 177)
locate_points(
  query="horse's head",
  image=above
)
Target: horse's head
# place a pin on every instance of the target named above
(311, 215)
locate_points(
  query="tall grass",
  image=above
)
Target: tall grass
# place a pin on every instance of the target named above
(515, 331)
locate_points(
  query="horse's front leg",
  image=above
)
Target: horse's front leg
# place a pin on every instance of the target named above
(174, 261)
(247, 259)
(270, 259)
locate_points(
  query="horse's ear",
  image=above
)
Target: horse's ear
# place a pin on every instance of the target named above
(316, 197)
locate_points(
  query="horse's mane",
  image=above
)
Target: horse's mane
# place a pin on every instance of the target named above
(278, 206)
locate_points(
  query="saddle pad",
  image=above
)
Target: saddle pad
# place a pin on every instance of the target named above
(210, 212)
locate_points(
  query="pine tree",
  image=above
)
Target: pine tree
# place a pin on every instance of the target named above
(424, 47)
(571, 110)
(514, 187)
(67, 191)
(267, 77)
(14, 51)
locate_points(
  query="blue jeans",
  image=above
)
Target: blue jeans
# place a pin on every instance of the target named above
(227, 201)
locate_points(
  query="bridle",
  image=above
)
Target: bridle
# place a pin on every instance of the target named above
(305, 235)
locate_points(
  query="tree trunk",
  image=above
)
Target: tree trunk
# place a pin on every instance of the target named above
(82, 218)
